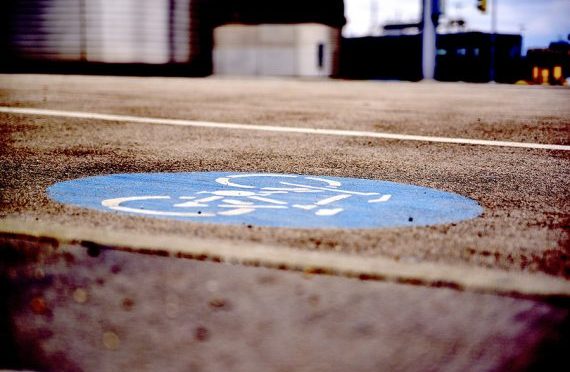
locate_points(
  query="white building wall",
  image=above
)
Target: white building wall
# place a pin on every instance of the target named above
(235, 50)
(115, 31)
(309, 37)
(274, 50)
(181, 30)
(133, 31)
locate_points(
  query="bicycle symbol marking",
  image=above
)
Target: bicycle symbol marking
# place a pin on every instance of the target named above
(272, 200)
(236, 201)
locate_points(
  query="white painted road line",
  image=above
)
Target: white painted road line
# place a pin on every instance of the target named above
(272, 128)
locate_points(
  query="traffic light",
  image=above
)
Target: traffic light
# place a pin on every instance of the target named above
(482, 5)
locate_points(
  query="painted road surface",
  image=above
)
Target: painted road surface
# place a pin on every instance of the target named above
(281, 200)
(478, 279)
(281, 129)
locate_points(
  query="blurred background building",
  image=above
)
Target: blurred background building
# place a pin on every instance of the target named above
(461, 56)
(276, 50)
(549, 65)
(100, 35)
(172, 37)
(255, 37)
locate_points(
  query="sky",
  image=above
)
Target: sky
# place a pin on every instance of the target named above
(539, 21)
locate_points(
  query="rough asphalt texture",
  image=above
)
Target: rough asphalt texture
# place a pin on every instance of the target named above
(96, 309)
(525, 194)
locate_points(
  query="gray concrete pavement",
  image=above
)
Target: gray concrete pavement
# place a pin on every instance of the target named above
(80, 307)
(521, 238)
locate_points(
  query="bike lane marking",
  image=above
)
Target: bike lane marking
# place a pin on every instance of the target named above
(272, 200)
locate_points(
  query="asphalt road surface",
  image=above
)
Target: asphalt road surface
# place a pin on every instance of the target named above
(87, 289)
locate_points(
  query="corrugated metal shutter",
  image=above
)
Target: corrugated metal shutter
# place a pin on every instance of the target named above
(46, 29)
(115, 31)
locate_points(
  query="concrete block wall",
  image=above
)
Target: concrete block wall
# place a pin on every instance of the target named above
(276, 50)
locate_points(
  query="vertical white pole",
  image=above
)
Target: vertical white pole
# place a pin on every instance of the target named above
(428, 42)
(492, 71)
(373, 18)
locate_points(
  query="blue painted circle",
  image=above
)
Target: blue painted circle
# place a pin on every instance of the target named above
(280, 200)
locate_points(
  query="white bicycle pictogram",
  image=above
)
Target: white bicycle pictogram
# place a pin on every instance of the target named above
(237, 197)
